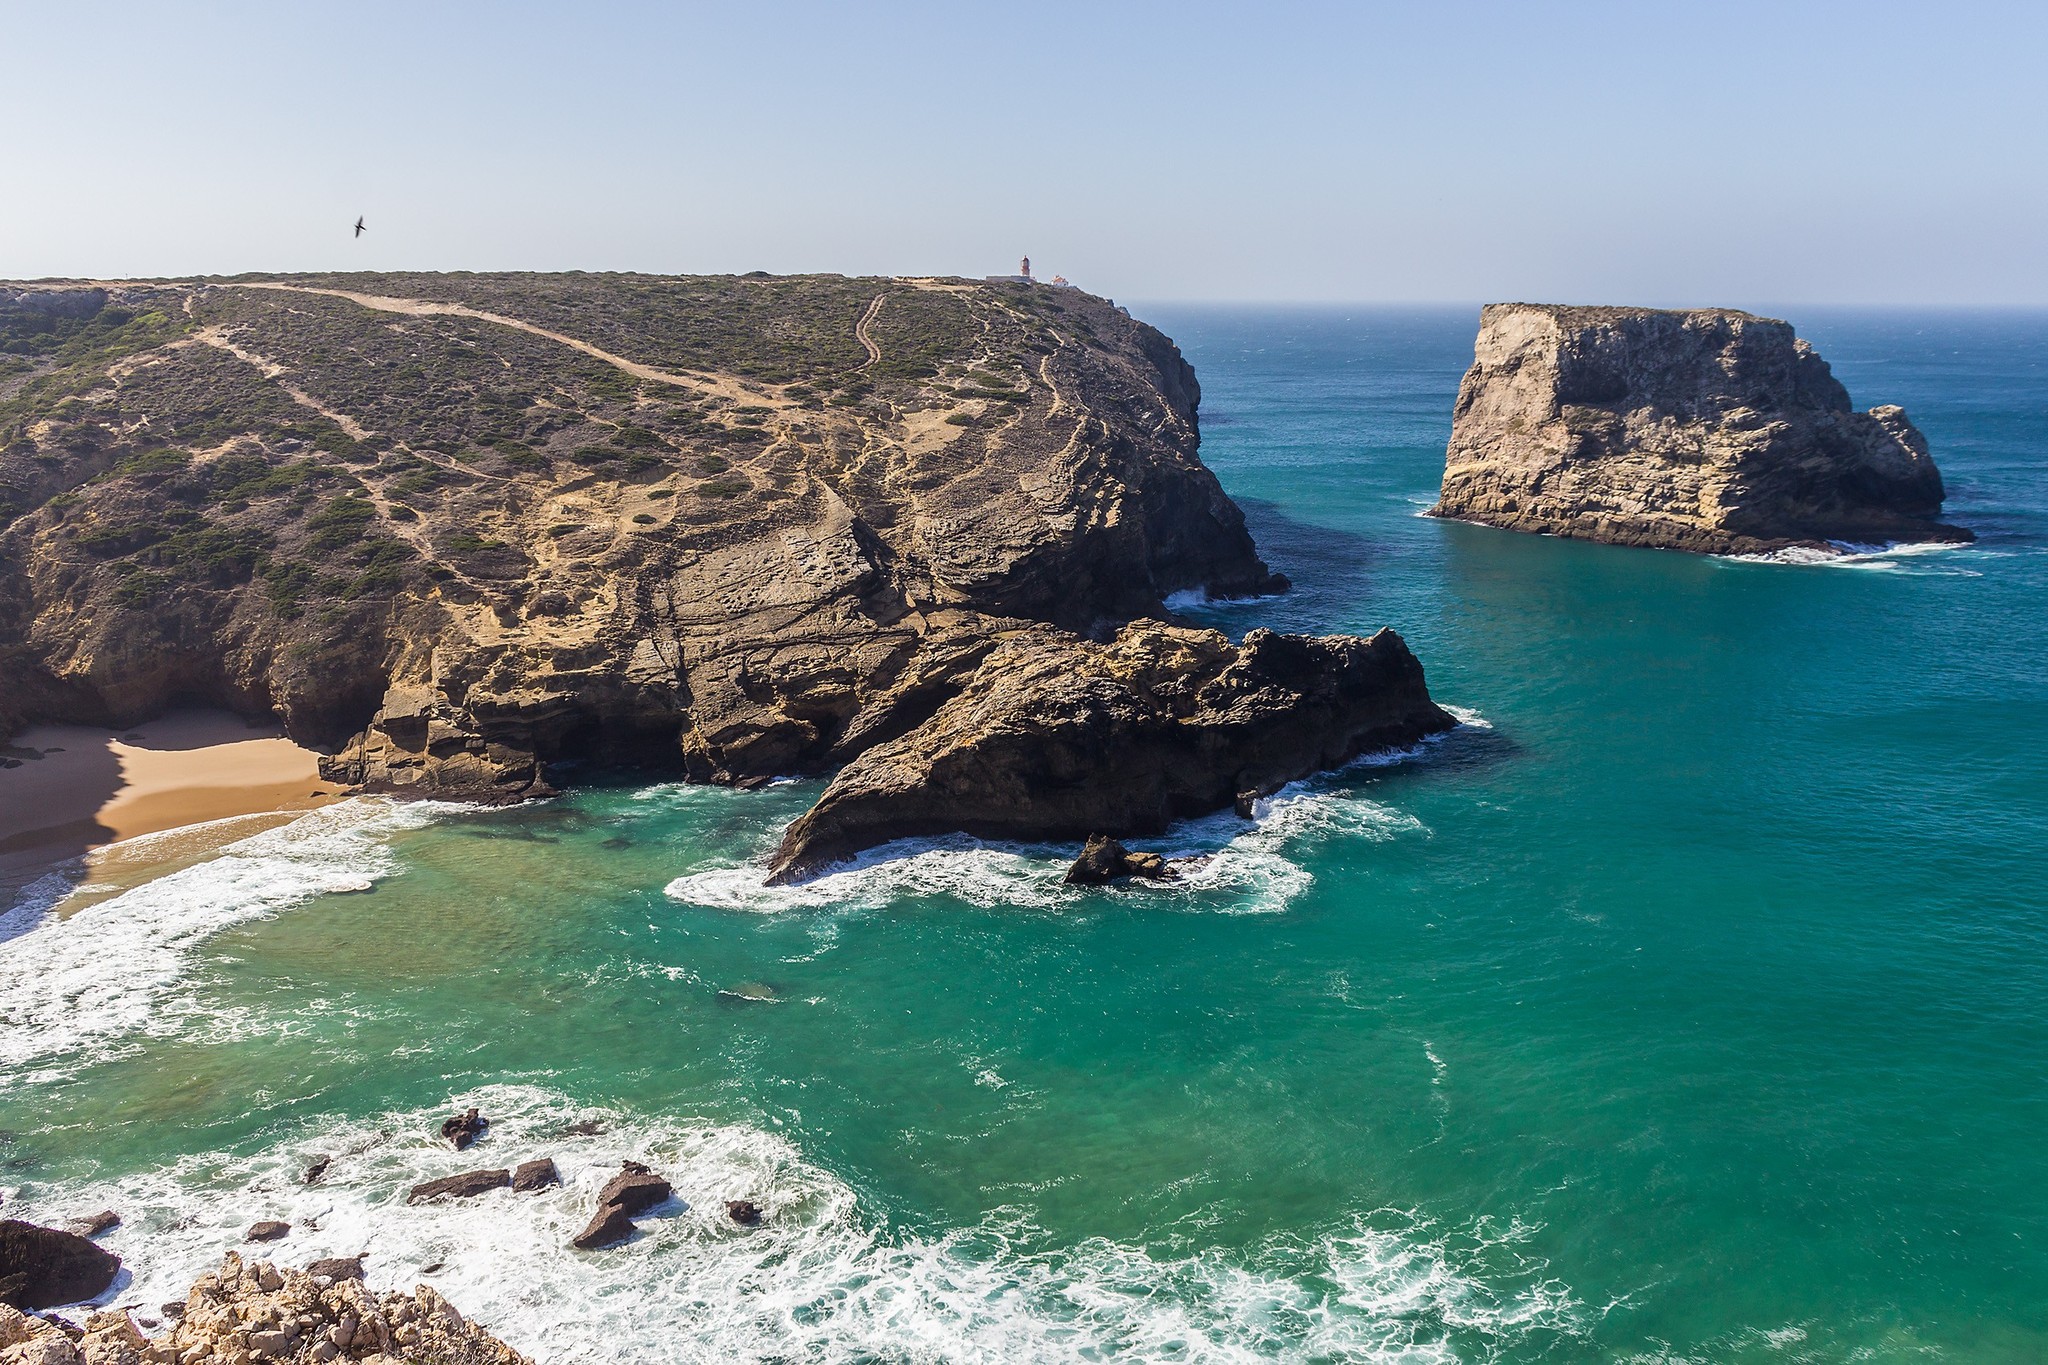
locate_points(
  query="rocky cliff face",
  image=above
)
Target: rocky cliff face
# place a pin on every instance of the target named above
(1709, 430)
(1055, 738)
(457, 529)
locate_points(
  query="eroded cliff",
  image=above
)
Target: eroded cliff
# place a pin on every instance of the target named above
(455, 529)
(1708, 430)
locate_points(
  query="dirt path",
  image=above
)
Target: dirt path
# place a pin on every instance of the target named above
(860, 331)
(216, 337)
(422, 308)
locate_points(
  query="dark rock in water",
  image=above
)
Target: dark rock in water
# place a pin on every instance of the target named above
(465, 1186)
(634, 1190)
(268, 1230)
(317, 1172)
(104, 1221)
(616, 842)
(752, 784)
(464, 1129)
(1106, 860)
(434, 1269)
(1055, 737)
(582, 1128)
(608, 1227)
(535, 1175)
(338, 1268)
(44, 1267)
(1246, 805)
(745, 1212)
(1708, 430)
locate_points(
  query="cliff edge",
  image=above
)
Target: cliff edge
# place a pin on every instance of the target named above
(1708, 430)
(457, 531)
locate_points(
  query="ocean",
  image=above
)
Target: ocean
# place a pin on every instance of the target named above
(1688, 1003)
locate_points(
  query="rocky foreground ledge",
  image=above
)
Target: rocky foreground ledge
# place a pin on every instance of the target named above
(1708, 430)
(254, 1311)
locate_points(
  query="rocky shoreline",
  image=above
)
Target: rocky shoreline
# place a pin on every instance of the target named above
(250, 1311)
(462, 533)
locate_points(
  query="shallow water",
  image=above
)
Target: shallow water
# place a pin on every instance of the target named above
(1687, 1004)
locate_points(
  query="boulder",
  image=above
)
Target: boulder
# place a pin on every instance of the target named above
(635, 1189)
(44, 1267)
(535, 1175)
(338, 1268)
(106, 1220)
(745, 1212)
(467, 1185)
(1106, 860)
(608, 1227)
(317, 1172)
(1709, 430)
(267, 1231)
(462, 1130)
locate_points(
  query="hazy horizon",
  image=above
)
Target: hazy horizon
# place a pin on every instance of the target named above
(1833, 155)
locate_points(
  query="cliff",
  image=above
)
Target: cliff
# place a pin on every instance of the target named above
(454, 529)
(1708, 430)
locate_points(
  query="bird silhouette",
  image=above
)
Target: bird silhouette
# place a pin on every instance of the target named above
(359, 227)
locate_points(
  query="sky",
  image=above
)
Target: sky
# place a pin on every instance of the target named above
(1653, 152)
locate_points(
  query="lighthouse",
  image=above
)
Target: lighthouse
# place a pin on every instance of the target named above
(1024, 267)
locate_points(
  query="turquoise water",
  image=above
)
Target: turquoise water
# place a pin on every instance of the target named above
(1690, 1003)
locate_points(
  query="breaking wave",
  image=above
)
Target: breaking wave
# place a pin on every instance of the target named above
(1225, 864)
(109, 970)
(821, 1280)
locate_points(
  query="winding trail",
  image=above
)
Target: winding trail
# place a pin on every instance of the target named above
(860, 331)
(422, 308)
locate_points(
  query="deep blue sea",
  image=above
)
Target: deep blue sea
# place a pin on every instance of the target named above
(1689, 1003)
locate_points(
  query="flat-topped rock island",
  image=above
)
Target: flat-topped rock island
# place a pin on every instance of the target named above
(1708, 430)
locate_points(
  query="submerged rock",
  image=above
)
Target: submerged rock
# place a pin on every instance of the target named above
(745, 1212)
(44, 1267)
(1056, 737)
(467, 1185)
(1106, 860)
(317, 1172)
(1708, 430)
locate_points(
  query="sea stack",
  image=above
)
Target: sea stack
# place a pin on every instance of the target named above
(1708, 430)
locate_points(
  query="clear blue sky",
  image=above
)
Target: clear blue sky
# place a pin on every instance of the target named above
(1643, 152)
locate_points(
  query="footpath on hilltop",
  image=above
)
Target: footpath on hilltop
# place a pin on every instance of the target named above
(455, 530)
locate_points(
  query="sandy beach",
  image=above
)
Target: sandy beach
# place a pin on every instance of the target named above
(67, 790)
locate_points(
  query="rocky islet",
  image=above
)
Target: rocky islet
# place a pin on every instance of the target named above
(1709, 430)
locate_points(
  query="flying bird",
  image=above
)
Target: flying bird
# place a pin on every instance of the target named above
(359, 227)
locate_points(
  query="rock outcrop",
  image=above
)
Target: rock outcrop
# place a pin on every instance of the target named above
(256, 1311)
(633, 1191)
(1056, 738)
(457, 531)
(1104, 860)
(43, 1267)
(1707, 430)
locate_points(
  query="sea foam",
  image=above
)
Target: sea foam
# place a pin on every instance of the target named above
(822, 1280)
(83, 981)
(1231, 866)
